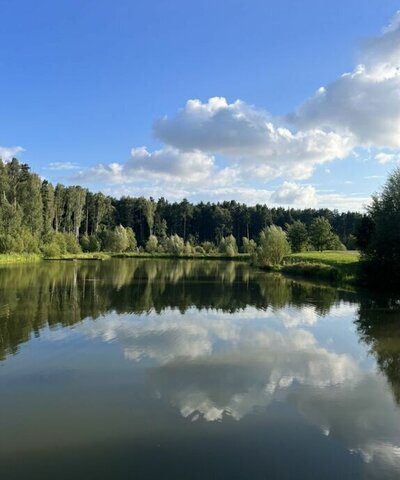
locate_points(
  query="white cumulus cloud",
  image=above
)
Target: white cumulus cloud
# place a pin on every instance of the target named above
(168, 164)
(364, 103)
(249, 136)
(290, 193)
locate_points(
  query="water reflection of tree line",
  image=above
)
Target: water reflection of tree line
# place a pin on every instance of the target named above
(64, 293)
(378, 324)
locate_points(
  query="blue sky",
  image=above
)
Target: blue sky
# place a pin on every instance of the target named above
(85, 82)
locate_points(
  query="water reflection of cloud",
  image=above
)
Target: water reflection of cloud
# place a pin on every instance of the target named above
(361, 414)
(294, 317)
(260, 367)
(196, 333)
(210, 364)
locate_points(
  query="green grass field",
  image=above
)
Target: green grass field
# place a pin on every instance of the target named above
(328, 257)
(336, 266)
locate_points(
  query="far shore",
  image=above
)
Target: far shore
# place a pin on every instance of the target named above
(332, 266)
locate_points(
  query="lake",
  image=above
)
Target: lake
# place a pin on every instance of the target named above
(178, 369)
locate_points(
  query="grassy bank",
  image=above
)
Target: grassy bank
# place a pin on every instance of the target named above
(108, 255)
(10, 258)
(200, 256)
(333, 266)
(26, 258)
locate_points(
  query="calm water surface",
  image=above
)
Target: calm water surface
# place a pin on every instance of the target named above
(157, 369)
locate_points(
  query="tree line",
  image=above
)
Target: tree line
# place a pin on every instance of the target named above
(36, 216)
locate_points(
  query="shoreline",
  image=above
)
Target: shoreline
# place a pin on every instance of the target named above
(335, 268)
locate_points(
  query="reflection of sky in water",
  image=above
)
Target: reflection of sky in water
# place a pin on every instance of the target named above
(210, 365)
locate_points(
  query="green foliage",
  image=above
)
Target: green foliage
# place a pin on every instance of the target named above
(364, 232)
(48, 201)
(160, 229)
(208, 247)
(56, 244)
(335, 243)
(85, 243)
(297, 236)
(188, 250)
(152, 244)
(320, 233)
(132, 243)
(352, 243)
(149, 207)
(228, 246)
(9, 244)
(27, 203)
(116, 240)
(94, 244)
(52, 249)
(249, 246)
(30, 242)
(90, 243)
(175, 245)
(71, 243)
(383, 249)
(273, 247)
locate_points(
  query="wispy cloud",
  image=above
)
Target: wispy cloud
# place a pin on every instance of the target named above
(8, 153)
(63, 166)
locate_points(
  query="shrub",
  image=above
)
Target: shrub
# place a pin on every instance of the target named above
(71, 243)
(7, 243)
(94, 244)
(228, 246)
(152, 244)
(85, 243)
(175, 245)
(132, 243)
(273, 247)
(208, 247)
(335, 243)
(249, 246)
(116, 240)
(51, 250)
(188, 250)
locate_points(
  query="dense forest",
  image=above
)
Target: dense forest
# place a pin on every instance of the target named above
(36, 216)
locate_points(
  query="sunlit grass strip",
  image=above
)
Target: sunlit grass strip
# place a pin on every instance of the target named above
(328, 257)
(81, 256)
(107, 255)
(217, 256)
(9, 258)
(337, 266)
